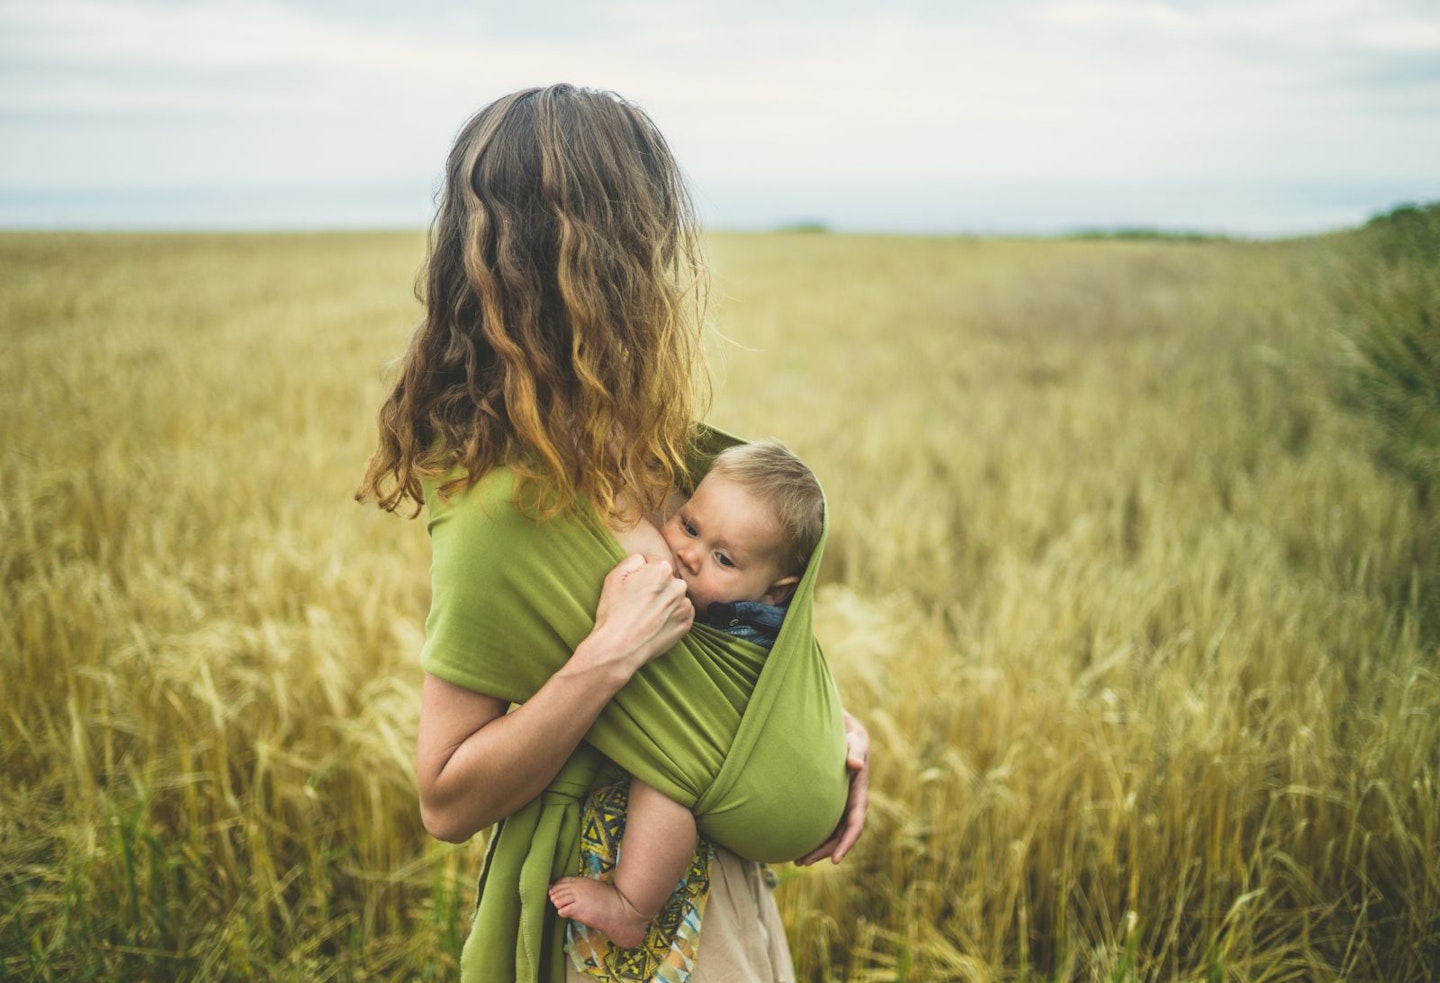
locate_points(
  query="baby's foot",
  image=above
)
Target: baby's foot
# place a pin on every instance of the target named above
(600, 906)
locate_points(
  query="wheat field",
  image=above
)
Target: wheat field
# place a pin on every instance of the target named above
(1145, 637)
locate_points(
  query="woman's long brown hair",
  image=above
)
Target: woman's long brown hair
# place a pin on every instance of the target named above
(563, 302)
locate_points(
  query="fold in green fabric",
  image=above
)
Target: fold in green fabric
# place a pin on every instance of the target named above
(752, 742)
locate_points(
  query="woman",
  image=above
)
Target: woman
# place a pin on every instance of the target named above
(544, 407)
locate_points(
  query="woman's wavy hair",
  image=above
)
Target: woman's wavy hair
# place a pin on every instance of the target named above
(564, 297)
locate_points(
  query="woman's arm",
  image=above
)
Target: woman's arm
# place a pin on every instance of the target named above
(476, 764)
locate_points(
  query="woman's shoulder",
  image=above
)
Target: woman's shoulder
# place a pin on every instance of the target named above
(493, 510)
(486, 511)
(494, 490)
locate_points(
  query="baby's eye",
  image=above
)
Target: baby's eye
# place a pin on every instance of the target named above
(724, 560)
(688, 526)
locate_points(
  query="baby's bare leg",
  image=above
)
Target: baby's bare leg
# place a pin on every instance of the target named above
(656, 849)
(658, 844)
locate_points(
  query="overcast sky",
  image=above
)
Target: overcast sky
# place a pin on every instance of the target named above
(1251, 116)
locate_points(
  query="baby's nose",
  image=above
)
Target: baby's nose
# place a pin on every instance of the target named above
(685, 556)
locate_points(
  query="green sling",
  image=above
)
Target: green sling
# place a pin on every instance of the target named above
(752, 742)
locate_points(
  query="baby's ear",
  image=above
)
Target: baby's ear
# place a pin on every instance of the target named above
(779, 592)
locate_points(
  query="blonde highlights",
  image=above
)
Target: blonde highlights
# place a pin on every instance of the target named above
(564, 295)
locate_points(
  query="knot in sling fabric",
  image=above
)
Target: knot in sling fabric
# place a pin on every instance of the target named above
(752, 742)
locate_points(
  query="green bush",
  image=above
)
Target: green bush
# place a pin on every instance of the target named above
(1392, 302)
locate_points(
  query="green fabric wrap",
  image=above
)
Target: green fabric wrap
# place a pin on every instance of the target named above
(752, 742)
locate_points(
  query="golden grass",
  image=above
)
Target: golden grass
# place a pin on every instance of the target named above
(1140, 630)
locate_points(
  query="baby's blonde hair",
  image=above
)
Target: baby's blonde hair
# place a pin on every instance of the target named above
(772, 473)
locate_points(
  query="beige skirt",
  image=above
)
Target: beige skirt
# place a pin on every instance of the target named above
(741, 937)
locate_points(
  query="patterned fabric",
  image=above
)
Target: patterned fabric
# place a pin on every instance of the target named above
(668, 952)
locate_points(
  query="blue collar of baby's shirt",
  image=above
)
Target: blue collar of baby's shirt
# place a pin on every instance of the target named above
(756, 614)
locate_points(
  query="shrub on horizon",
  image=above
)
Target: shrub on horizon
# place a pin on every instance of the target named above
(1392, 303)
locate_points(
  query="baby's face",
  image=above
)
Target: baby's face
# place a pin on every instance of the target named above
(725, 544)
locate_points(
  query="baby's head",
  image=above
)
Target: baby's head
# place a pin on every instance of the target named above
(748, 531)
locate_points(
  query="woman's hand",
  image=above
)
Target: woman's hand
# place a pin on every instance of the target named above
(643, 612)
(852, 821)
(477, 764)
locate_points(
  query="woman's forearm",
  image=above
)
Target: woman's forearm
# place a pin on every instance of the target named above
(476, 764)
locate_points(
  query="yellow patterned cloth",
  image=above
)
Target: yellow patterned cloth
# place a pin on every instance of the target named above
(668, 952)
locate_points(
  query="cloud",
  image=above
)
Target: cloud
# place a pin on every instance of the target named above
(233, 55)
(919, 93)
(1309, 37)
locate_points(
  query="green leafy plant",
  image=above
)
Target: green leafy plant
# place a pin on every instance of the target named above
(1392, 302)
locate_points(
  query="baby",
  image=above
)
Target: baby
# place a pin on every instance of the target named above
(741, 544)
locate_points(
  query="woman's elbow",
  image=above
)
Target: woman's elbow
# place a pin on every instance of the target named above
(448, 824)
(442, 826)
